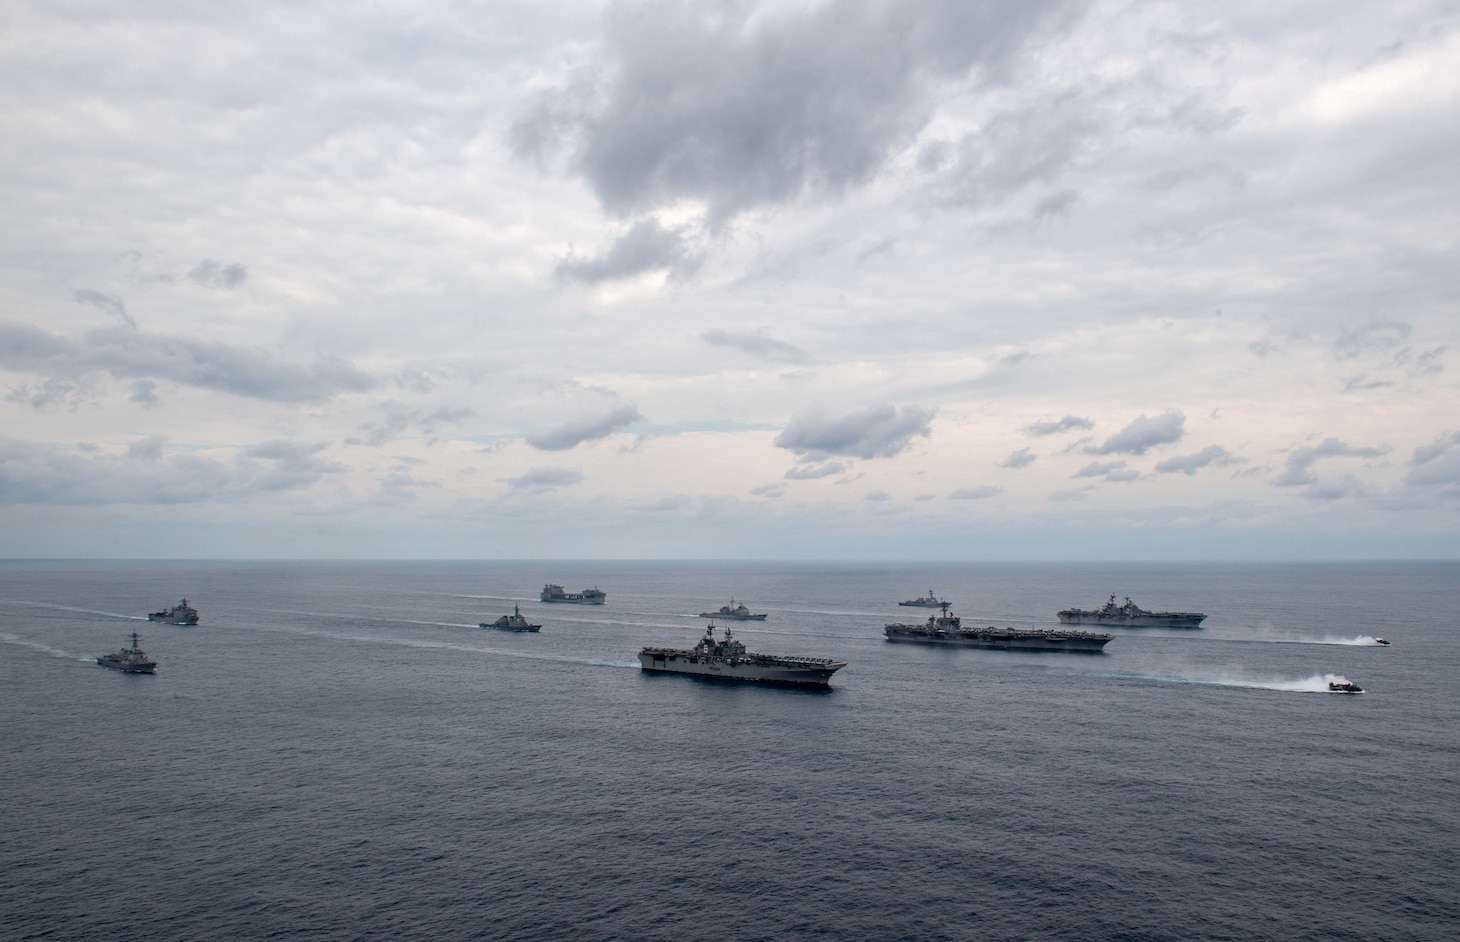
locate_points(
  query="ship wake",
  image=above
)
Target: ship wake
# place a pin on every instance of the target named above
(7, 638)
(1316, 683)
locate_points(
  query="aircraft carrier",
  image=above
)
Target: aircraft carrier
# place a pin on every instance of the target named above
(948, 629)
(726, 659)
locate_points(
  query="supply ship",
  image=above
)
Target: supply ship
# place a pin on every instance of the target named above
(513, 622)
(132, 660)
(727, 659)
(1129, 615)
(948, 629)
(734, 612)
(554, 593)
(180, 614)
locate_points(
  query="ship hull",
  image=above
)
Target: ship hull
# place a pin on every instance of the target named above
(921, 604)
(573, 599)
(1153, 620)
(145, 667)
(760, 673)
(1013, 640)
(171, 620)
(723, 616)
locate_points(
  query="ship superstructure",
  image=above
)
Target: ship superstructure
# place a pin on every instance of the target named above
(726, 659)
(1129, 615)
(946, 628)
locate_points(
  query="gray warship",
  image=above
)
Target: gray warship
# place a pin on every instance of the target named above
(928, 601)
(735, 613)
(513, 622)
(132, 660)
(1129, 615)
(554, 593)
(727, 659)
(180, 614)
(948, 629)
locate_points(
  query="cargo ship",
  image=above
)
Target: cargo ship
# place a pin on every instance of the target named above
(554, 593)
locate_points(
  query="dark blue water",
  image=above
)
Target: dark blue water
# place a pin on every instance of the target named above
(338, 753)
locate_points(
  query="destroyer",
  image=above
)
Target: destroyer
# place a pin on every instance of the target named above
(929, 601)
(513, 622)
(735, 613)
(948, 629)
(1129, 615)
(727, 659)
(554, 593)
(133, 660)
(180, 614)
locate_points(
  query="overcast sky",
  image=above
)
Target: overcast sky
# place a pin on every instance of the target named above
(921, 279)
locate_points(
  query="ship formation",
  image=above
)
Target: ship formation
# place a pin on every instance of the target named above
(131, 660)
(726, 659)
(554, 593)
(946, 628)
(735, 613)
(180, 614)
(1129, 615)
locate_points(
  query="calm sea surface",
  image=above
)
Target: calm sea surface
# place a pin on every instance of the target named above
(338, 752)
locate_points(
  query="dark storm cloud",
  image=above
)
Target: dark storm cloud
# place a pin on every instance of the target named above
(109, 303)
(878, 432)
(128, 354)
(738, 106)
(575, 433)
(1211, 456)
(757, 344)
(646, 247)
(976, 493)
(812, 472)
(543, 479)
(211, 274)
(1022, 458)
(1055, 426)
(1143, 434)
(1299, 470)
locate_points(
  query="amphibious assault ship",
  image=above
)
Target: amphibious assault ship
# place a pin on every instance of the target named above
(180, 614)
(1129, 615)
(513, 622)
(554, 593)
(735, 612)
(727, 659)
(133, 660)
(948, 629)
(928, 601)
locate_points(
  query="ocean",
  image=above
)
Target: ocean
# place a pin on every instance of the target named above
(338, 752)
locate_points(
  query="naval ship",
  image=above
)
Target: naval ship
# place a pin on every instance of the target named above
(180, 614)
(948, 629)
(513, 622)
(1129, 615)
(734, 612)
(928, 601)
(727, 659)
(554, 593)
(133, 660)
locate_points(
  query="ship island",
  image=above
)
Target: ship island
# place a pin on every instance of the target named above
(1129, 615)
(726, 659)
(180, 614)
(947, 628)
(554, 593)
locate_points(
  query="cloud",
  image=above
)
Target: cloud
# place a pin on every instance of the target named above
(1377, 335)
(976, 493)
(1211, 456)
(769, 490)
(757, 344)
(129, 354)
(738, 106)
(1066, 496)
(295, 464)
(144, 393)
(1055, 426)
(811, 472)
(646, 246)
(877, 432)
(1022, 458)
(1437, 464)
(575, 433)
(1109, 470)
(1301, 460)
(398, 420)
(1143, 434)
(543, 479)
(215, 275)
(877, 496)
(108, 303)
